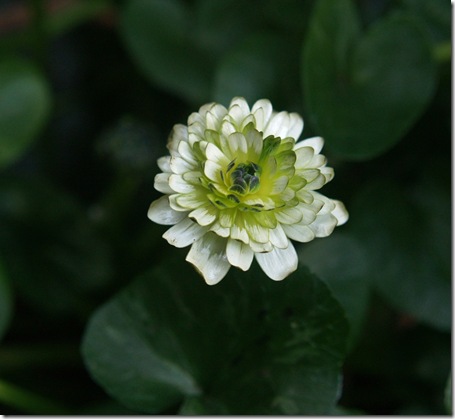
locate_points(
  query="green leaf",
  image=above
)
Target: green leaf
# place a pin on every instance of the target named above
(435, 16)
(342, 263)
(254, 69)
(24, 108)
(363, 92)
(287, 15)
(405, 234)
(245, 346)
(52, 254)
(158, 35)
(6, 303)
(220, 25)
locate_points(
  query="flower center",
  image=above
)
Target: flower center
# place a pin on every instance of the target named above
(255, 180)
(244, 177)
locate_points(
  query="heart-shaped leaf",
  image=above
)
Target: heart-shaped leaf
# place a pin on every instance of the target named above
(407, 243)
(253, 70)
(342, 263)
(158, 34)
(364, 91)
(24, 108)
(245, 346)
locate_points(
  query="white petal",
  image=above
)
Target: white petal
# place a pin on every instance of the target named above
(299, 232)
(279, 185)
(318, 161)
(193, 177)
(214, 154)
(162, 183)
(303, 156)
(289, 215)
(317, 204)
(180, 185)
(227, 218)
(175, 206)
(184, 233)
(208, 255)
(196, 132)
(340, 212)
(217, 228)
(287, 194)
(186, 152)
(260, 247)
(278, 125)
(178, 134)
(255, 231)
(295, 126)
(238, 110)
(214, 116)
(160, 212)
(278, 237)
(248, 120)
(323, 225)
(305, 196)
(164, 163)
(237, 143)
(278, 263)
(194, 138)
(328, 172)
(309, 212)
(316, 183)
(180, 166)
(204, 216)
(328, 205)
(213, 171)
(262, 111)
(196, 118)
(316, 143)
(239, 254)
(227, 128)
(239, 233)
(205, 108)
(254, 142)
(309, 174)
(189, 201)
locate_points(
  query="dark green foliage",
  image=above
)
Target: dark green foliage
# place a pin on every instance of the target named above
(249, 344)
(88, 95)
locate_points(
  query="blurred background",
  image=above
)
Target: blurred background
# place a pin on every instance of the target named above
(89, 92)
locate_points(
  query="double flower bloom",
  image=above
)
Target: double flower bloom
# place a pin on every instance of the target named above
(238, 186)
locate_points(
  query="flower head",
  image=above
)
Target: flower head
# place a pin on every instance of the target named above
(237, 185)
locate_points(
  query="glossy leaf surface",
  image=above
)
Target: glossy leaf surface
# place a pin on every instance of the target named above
(246, 346)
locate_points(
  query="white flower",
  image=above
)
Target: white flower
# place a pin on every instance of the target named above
(238, 186)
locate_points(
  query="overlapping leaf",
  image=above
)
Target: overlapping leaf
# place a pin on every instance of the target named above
(24, 108)
(342, 262)
(364, 91)
(158, 35)
(246, 346)
(408, 245)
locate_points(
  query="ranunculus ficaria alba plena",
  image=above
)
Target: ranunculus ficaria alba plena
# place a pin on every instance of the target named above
(238, 185)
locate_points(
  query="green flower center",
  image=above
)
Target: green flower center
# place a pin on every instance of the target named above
(256, 180)
(245, 177)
